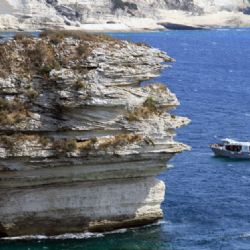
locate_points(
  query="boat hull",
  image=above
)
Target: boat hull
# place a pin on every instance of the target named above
(229, 154)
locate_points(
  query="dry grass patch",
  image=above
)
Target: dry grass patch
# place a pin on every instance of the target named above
(156, 88)
(5, 61)
(58, 36)
(119, 141)
(70, 145)
(41, 58)
(64, 146)
(142, 44)
(80, 84)
(12, 112)
(82, 50)
(145, 111)
(21, 36)
(27, 56)
(32, 93)
(12, 142)
(86, 42)
(87, 145)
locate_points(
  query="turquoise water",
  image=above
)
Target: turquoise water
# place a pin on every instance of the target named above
(207, 203)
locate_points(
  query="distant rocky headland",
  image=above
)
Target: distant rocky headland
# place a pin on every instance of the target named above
(80, 140)
(122, 15)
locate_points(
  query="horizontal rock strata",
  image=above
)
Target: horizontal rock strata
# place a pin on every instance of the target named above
(121, 15)
(80, 140)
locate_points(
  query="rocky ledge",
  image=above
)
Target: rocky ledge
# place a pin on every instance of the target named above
(80, 140)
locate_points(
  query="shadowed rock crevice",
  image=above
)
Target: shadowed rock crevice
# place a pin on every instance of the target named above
(2, 231)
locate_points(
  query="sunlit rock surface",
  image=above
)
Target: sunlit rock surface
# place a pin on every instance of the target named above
(121, 15)
(80, 140)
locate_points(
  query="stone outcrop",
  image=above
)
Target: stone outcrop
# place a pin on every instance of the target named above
(80, 140)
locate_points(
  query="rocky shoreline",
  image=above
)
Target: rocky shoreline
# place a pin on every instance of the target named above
(122, 16)
(175, 21)
(80, 141)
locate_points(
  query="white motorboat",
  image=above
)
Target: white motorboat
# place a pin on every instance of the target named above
(232, 149)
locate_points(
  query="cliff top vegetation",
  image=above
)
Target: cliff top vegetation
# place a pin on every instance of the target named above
(28, 56)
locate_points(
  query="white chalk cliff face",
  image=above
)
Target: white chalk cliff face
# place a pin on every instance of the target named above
(81, 142)
(205, 5)
(231, 5)
(124, 15)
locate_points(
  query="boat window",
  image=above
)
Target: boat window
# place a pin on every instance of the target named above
(234, 148)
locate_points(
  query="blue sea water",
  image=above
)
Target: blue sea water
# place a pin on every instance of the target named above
(207, 203)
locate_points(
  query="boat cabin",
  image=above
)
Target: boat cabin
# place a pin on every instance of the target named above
(235, 146)
(231, 148)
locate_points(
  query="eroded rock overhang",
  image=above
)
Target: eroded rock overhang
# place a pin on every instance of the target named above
(81, 141)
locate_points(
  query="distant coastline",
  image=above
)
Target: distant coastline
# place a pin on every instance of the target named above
(12, 19)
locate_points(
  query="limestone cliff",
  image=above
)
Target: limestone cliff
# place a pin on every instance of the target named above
(80, 140)
(122, 15)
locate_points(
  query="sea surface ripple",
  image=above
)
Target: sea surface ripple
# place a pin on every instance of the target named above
(207, 203)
